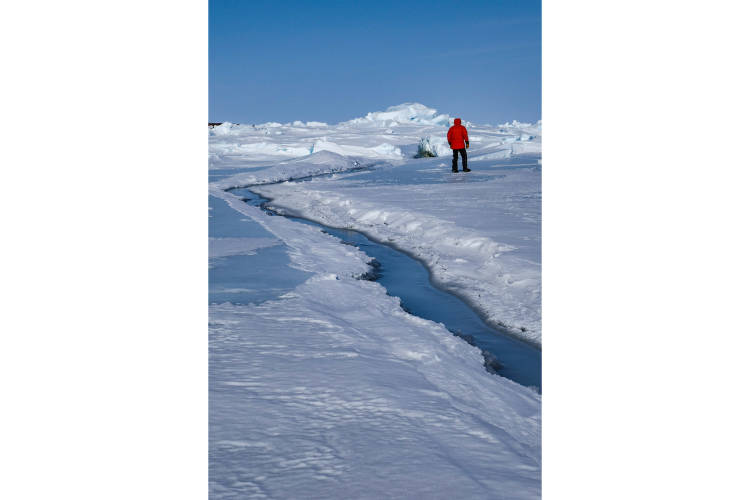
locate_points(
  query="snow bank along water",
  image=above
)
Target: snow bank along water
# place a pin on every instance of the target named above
(406, 279)
(463, 249)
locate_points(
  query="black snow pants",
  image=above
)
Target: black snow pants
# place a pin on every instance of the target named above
(455, 158)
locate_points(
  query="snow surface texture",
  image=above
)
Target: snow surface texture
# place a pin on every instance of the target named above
(315, 396)
(332, 390)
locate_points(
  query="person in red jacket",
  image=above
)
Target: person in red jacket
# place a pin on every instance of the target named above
(458, 138)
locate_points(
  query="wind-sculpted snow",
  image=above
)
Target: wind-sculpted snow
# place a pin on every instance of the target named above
(335, 392)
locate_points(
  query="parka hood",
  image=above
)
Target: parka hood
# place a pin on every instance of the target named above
(457, 121)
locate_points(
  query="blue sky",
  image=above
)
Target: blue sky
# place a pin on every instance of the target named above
(335, 60)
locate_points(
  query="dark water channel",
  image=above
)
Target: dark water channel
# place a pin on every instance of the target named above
(409, 280)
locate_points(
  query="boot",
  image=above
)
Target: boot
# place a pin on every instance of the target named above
(467, 169)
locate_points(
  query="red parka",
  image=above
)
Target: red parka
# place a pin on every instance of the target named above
(457, 135)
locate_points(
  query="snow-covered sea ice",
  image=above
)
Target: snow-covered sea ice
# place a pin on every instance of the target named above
(330, 388)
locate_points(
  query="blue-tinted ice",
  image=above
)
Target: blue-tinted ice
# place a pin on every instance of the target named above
(242, 279)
